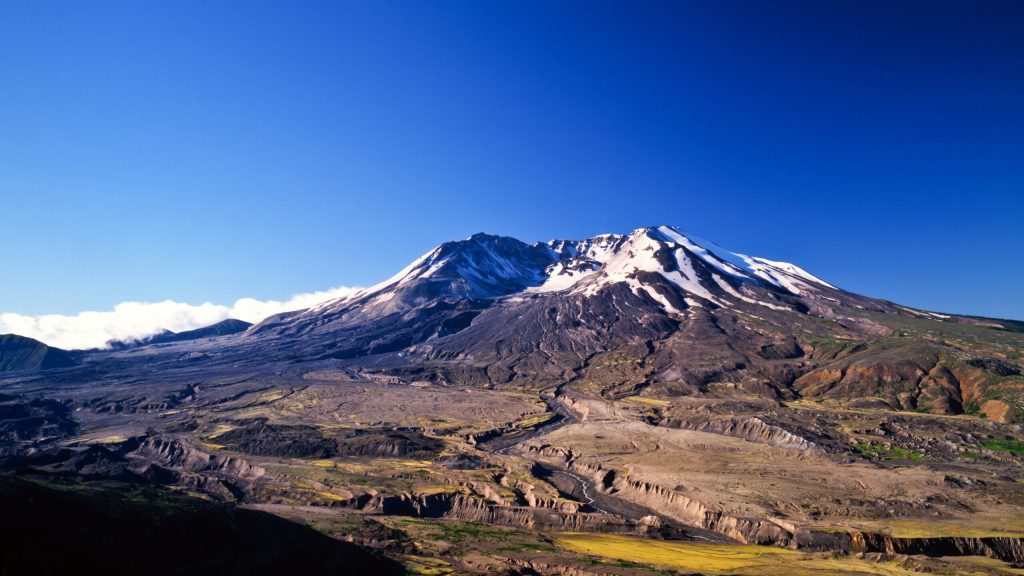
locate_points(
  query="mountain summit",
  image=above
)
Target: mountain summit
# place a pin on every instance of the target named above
(658, 263)
(654, 311)
(620, 313)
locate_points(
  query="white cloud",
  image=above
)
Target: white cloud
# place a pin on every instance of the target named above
(131, 320)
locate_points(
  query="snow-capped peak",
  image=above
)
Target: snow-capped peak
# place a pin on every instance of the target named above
(780, 274)
(667, 251)
(484, 266)
(481, 266)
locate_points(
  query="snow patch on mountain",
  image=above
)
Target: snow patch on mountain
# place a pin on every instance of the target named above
(490, 267)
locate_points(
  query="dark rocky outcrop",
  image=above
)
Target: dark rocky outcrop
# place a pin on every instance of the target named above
(25, 421)
(261, 438)
(145, 460)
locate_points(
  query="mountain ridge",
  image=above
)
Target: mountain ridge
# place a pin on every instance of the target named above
(222, 328)
(20, 353)
(618, 314)
(691, 317)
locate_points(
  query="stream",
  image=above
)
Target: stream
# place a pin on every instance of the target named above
(572, 485)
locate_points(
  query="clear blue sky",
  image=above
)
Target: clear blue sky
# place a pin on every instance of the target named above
(212, 150)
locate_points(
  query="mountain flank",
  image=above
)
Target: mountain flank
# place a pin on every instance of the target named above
(18, 353)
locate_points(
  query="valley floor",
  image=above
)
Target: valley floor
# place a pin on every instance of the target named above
(558, 481)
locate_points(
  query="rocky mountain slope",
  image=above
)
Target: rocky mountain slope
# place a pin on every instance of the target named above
(655, 308)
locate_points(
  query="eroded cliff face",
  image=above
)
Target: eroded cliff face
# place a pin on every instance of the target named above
(550, 569)
(690, 511)
(770, 530)
(751, 429)
(1008, 549)
(177, 454)
(674, 505)
(475, 509)
(775, 531)
(528, 495)
(164, 460)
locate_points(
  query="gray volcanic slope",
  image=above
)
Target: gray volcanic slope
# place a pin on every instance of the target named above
(615, 314)
(682, 314)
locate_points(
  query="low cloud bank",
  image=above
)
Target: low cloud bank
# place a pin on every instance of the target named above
(133, 320)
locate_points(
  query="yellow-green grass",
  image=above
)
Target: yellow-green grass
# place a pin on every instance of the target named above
(712, 559)
(972, 565)
(406, 463)
(379, 464)
(534, 421)
(332, 496)
(272, 395)
(344, 467)
(113, 439)
(426, 566)
(647, 401)
(442, 489)
(835, 407)
(219, 429)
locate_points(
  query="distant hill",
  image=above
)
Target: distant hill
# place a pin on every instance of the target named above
(222, 328)
(19, 353)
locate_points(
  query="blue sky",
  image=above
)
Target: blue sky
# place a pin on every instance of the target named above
(206, 151)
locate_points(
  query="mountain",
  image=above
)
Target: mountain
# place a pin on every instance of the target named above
(665, 272)
(616, 315)
(654, 308)
(222, 328)
(18, 353)
(620, 386)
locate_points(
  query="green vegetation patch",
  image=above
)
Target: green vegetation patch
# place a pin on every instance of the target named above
(1015, 447)
(883, 452)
